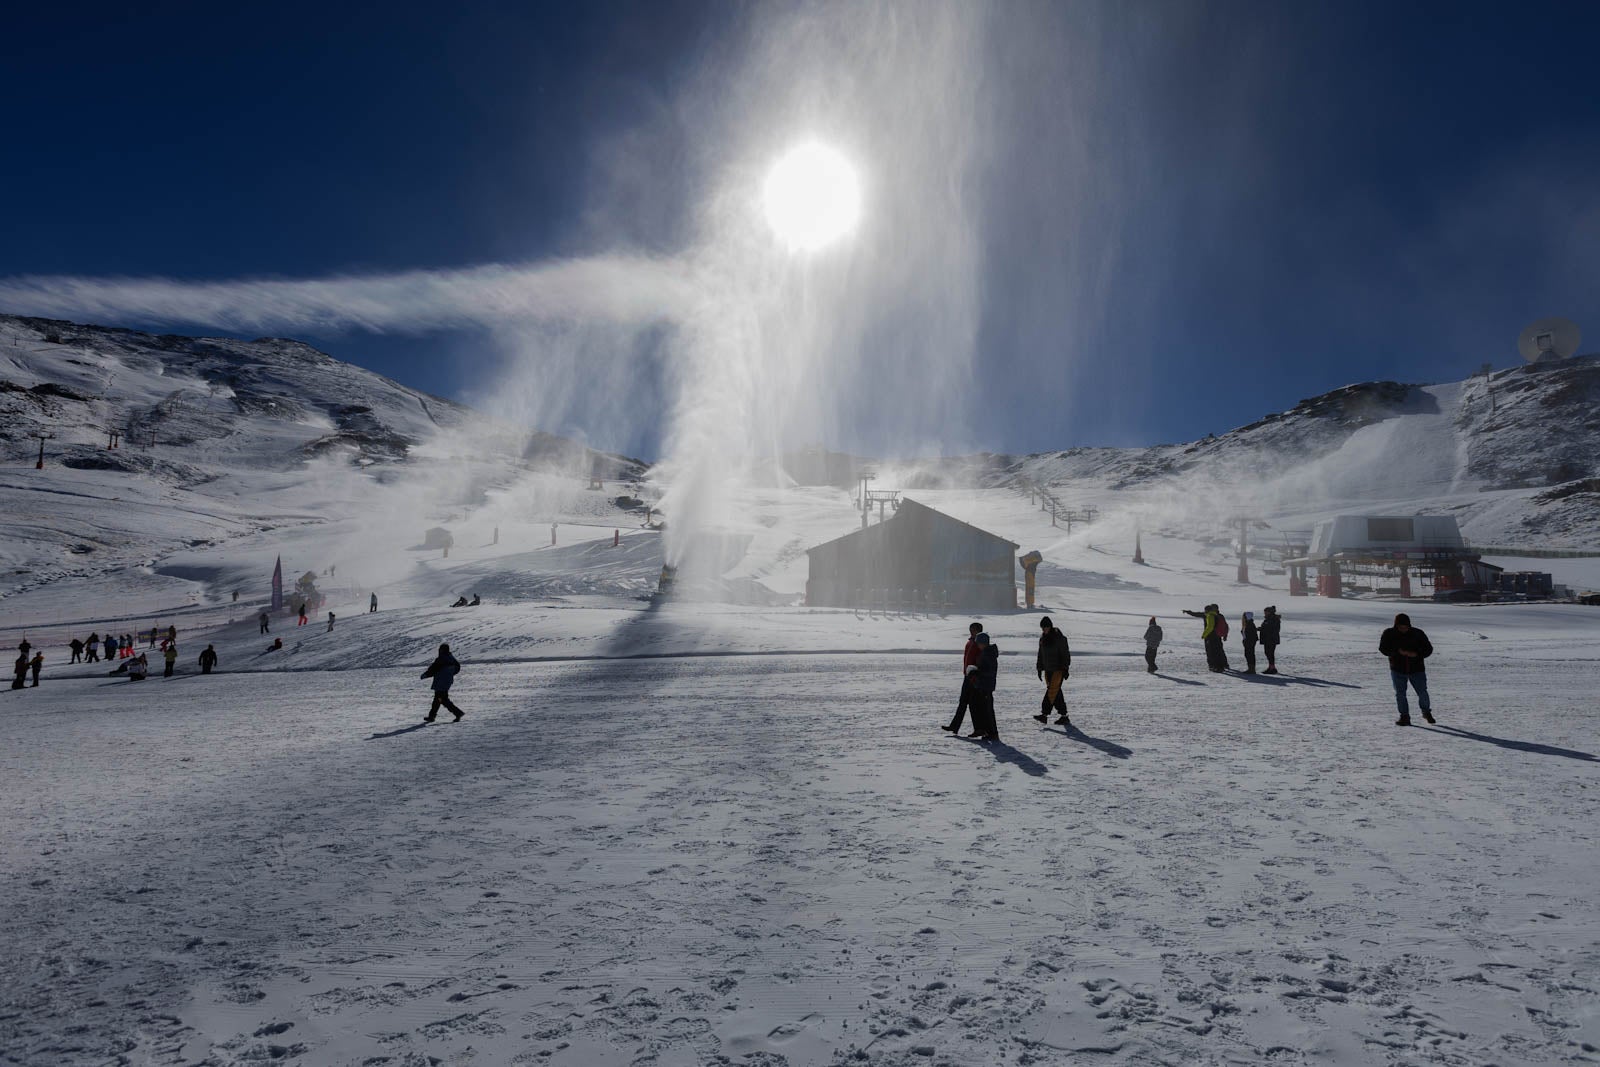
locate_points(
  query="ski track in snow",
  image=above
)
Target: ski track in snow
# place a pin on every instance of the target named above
(784, 861)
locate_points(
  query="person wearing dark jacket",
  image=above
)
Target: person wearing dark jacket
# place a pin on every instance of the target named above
(1152, 643)
(20, 670)
(1269, 638)
(1054, 666)
(443, 671)
(984, 680)
(265, 622)
(91, 654)
(77, 650)
(208, 659)
(37, 663)
(969, 663)
(1408, 649)
(1249, 635)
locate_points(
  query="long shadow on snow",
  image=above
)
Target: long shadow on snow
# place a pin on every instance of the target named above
(1293, 679)
(1004, 753)
(403, 730)
(1515, 746)
(1180, 681)
(1110, 748)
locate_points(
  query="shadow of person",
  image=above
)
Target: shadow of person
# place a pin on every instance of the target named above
(1110, 748)
(1516, 746)
(403, 730)
(1179, 681)
(1004, 753)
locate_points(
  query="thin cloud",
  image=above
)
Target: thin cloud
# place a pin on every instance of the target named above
(616, 289)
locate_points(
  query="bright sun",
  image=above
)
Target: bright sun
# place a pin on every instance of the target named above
(812, 197)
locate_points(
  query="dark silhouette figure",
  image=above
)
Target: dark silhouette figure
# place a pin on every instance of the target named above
(1407, 648)
(1054, 667)
(77, 650)
(265, 620)
(443, 671)
(1269, 638)
(374, 605)
(330, 622)
(38, 664)
(984, 681)
(20, 670)
(1152, 644)
(1249, 636)
(969, 663)
(208, 659)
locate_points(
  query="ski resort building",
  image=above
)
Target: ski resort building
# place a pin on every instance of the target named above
(917, 558)
(1429, 547)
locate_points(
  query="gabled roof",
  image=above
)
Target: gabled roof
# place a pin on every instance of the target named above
(906, 502)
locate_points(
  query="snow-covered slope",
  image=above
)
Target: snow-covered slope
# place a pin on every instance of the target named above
(222, 441)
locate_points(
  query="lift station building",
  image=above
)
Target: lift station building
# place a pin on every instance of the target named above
(917, 558)
(1429, 547)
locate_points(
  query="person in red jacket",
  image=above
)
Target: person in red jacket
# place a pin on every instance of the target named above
(969, 664)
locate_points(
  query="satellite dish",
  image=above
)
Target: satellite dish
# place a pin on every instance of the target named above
(1549, 339)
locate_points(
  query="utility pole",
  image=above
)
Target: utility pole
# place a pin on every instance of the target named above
(866, 504)
(43, 437)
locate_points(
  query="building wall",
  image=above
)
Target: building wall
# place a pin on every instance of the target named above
(1385, 533)
(919, 556)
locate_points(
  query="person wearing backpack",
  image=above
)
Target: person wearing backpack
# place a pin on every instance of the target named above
(1213, 634)
(984, 680)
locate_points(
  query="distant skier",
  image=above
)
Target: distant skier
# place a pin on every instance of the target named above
(20, 671)
(374, 605)
(1211, 634)
(984, 681)
(208, 659)
(77, 650)
(1054, 666)
(330, 622)
(1407, 648)
(265, 619)
(443, 671)
(1249, 636)
(90, 650)
(1269, 639)
(236, 596)
(1152, 643)
(170, 654)
(969, 664)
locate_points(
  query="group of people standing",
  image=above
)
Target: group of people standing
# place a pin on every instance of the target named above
(1406, 647)
(1215, 632)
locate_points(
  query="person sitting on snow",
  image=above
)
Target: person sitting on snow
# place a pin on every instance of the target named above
(475, 601)
(461, 602)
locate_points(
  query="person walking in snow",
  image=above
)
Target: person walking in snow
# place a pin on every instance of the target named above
(90, 652)
(443, 671)
(1249, 636)
(152, 637)
(1269, 638)
(1054, 666)
(172, 633)
(208, 659)
(985, 678)
(265, 621)
(969, 664)
(170, 654)
(1408, 649)
(330, 622)
(37, 663)
(1211, 634)
(1152, 644)
(303, 618)
(19, 670)
(77, 650)
(374, 605)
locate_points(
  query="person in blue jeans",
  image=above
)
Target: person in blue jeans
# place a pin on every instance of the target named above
(1408, 649)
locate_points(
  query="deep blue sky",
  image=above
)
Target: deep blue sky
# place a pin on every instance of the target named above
(1299, 195)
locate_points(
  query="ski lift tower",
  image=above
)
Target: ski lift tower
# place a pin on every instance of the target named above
(1246, 522)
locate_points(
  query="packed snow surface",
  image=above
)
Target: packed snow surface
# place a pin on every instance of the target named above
(725, 828)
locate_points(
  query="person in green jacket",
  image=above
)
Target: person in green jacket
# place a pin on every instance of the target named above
(1211, 634)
